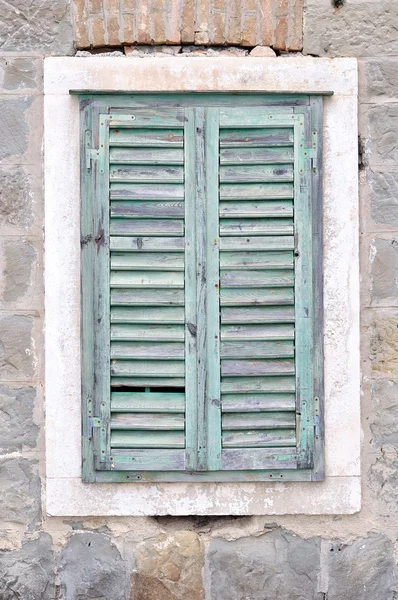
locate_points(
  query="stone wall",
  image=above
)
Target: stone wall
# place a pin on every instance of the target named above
(256, 558)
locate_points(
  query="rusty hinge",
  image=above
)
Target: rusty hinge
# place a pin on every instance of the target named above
(316, 416)
(91, 153)
(93, 422)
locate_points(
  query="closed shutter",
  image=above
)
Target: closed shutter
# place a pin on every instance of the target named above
(198, 228)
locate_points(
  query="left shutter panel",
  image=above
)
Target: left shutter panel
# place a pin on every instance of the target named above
(146, 184)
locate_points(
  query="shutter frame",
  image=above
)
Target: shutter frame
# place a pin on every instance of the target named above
(96, 437)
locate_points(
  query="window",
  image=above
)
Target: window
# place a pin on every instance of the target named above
(201, 287)
(206, 492)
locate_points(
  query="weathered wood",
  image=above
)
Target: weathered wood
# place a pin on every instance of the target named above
(257, 279)
(257, 420)
(147, 402)
(259, 297)
(150, 116)
(259, 458)
(139, 138)
(247, 210)
(148, 460)
(249, 191)
(143, 210)
(239, 117)
(148, 350)
(257, 368)
(147, 439)
(146, 315)
(151, 261)
(268, 243)
(247, 138)
(256, 260)
(147, 368)
(257, 332)
(256, 156)
(147, 297)
(265, 385)
(256, 173)
(148, 331)
(257, 314)
(146, 174)
(248, 227)
(147, 191)
(253, 349)
(147, 244)
(147, 279)
(146, 156)
(147, 227)
(148, 421)
(283, 438)
(239, 403)
(148, 382)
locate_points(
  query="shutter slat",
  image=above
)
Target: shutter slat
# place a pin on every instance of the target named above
(248, 333)
(253, 191)
(259, 439)
(248, 297)
(256, 368)
(147, 297)
(147, 439)
(147, 382)
(258, 314)
(144, 210)
(255, 349)
(147, 368)
(146, 173)
(255, 137)
(258, 458)
(146, 191)
(147, 402)
(148, 421)
(266, 385)
(127, 332)
(147, 350)
(256, 156)
(147, 244)
(256, 173)
(150, 117)
(147, 279)
(237, 244)
(258, 402)
(256, 260)
(147, 261)
(268, 420)
(146, 227)
(148, 460)
(133, 314)
(146, 156)
(139, 138)
(246, 210)
(259, 226)
(256, 279)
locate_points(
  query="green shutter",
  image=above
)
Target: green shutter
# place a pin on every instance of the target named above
(201, 288)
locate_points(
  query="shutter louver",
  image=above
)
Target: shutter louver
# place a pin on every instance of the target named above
(146, 185)
(257, 297)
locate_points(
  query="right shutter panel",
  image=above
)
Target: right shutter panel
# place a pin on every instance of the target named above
(258, 389)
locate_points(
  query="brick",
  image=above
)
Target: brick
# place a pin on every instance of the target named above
(205, 22)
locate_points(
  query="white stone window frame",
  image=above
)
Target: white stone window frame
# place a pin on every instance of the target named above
(66, 494)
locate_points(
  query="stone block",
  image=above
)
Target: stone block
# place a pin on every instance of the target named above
(383, 483)
(363, 570)
(378, 79)
(39, 26)
(262, 51)
(16, 418)
(383, 196)
(90, 566)
(20, 281)
(169, 567)
(382, 143)
(28, 573)
(384, 342)
(384, 413)
(20, 498)
(21, 74)
(276, 565)
(17, 358)
(384, 271)
(237, 22)
(358, 28)
(15, 127)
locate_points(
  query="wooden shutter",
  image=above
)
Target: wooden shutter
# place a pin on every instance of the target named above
(198, 226)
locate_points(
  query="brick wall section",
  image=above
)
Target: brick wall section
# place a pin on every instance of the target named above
(276, 23)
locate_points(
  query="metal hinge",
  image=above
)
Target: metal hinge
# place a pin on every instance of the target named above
(93, 422)
(316, 416)
(91, 153)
